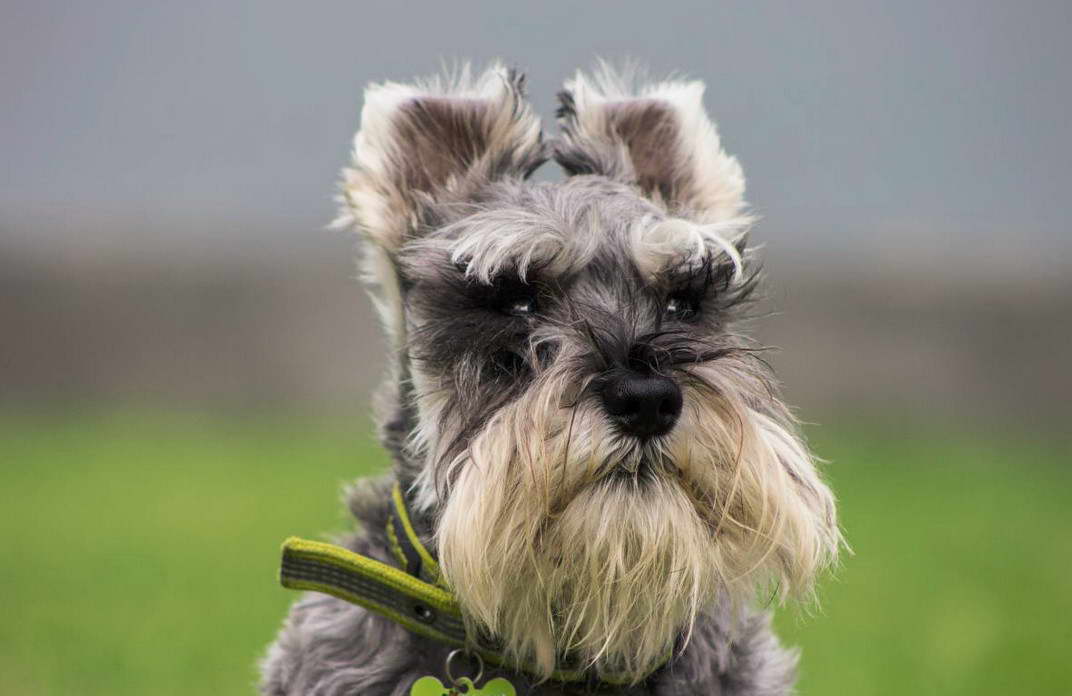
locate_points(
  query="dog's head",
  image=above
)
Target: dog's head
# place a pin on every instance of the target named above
(602, 452)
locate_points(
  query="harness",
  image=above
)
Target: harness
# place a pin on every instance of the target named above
(415, 595)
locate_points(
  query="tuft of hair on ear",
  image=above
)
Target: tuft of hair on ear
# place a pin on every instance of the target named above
(654, 135)
(435, 140)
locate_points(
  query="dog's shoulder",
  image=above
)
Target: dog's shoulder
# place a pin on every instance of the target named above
(731, 652)
(328, 645)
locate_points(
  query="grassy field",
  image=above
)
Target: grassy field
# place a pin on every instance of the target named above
(140, 555)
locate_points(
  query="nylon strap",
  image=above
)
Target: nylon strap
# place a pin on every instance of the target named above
(415, 596)
(406, 545)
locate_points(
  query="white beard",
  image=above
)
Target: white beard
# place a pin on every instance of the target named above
(555, 545)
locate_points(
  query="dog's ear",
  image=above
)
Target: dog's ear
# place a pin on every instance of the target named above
(433, 140)
(655, 136)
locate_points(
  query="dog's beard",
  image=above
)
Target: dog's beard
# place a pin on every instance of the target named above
(561, 537)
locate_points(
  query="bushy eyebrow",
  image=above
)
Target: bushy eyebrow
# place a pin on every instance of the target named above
(662, 246)
(493, 242)
(519, 241)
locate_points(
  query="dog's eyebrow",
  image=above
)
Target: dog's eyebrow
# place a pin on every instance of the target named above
(658, 246)
(498, 240)
(490, 242)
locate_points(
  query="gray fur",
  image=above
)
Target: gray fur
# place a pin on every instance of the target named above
(465, 350)
(328, 647)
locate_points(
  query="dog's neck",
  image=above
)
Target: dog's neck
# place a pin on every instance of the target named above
(414, 594)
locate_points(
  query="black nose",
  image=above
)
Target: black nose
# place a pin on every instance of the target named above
(643, 405)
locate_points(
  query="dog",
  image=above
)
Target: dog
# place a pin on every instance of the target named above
(592, 463)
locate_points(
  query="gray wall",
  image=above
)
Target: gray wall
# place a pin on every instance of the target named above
(168, 170)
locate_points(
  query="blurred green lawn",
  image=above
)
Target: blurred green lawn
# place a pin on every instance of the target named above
(140, 555)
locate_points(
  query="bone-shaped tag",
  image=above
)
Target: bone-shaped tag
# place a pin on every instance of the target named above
(430, 686)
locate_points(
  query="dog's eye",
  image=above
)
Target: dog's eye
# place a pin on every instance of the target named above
(510, 295)
(517, 300)
(681, 307)
(521, 306)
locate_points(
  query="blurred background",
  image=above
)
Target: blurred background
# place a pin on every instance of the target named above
(185, 358)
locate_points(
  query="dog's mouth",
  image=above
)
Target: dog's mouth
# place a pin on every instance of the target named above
(642, 465)
(641, 473)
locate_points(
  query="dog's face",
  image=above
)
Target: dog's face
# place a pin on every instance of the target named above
(602, 451)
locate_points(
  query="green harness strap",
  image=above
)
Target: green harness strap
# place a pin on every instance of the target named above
(416, 596)
(421, 607)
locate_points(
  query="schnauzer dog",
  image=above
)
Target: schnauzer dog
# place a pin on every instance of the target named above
(595, 481)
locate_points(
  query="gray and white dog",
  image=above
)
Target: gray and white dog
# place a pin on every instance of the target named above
(596, 455)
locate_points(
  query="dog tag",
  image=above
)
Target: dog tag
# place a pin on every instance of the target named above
(496, 687)
(430, 686)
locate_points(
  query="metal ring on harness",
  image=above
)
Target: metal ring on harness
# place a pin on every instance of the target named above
(456, 681)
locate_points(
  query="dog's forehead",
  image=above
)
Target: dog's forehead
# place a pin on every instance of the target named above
(556, 227)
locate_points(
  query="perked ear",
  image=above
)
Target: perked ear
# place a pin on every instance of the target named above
(434, 140)
(655, 136)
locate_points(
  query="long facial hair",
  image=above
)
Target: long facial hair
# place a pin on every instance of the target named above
(561, 536)
(559, 533)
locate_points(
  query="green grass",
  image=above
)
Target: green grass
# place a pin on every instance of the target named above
(140, 555)
(961, 582)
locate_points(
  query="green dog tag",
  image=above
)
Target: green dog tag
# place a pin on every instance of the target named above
(430, 686)
(496, 687)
